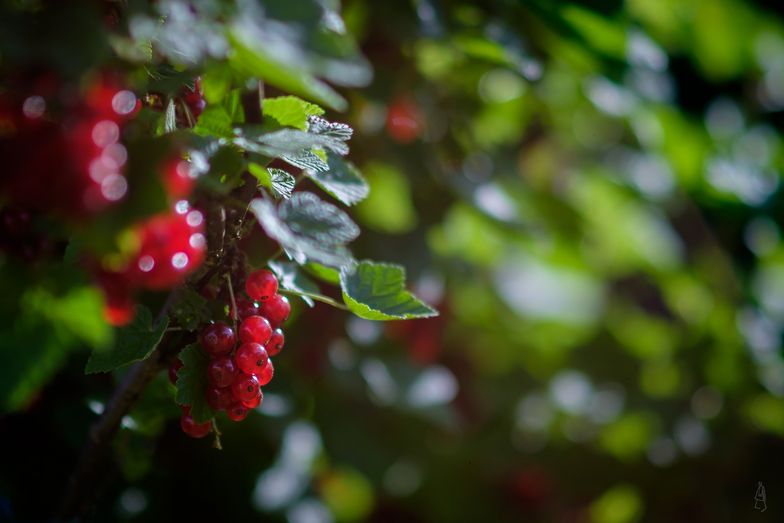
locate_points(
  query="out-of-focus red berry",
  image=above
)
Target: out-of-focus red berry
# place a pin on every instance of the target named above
(404, 121)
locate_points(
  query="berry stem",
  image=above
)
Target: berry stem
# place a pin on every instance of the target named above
(316, 297)
(233, 301)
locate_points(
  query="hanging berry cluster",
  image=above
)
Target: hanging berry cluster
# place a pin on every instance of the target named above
(241, 361)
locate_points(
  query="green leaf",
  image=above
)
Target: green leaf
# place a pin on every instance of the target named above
(133, 342)
(376, 291)
(309, 216)
(252, 57)
(278, 181)
(292, 279)
(322, 272)
(290, 111)
(342, 181)
(191, 309)
(299, 247)
(192, 383)
(214, 121)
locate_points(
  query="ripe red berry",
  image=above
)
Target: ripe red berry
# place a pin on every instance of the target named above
(251, 358)
(218, 339)
(237, 412)
(245, 387)
(404, 121)
(276, 309)
(255, 329)
(176, 365)
(178, 179)
(193, 429)
(265, 375)
(255, 402)
(221, 372)
(275, 343)
(219, 398)
(261, 285)
(245, 308)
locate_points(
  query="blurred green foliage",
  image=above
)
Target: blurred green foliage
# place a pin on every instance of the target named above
(594, 204)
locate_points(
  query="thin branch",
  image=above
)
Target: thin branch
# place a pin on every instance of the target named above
(316, 297)
(233, 301)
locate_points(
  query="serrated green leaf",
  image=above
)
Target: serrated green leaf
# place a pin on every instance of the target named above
(191, 309)
(192, 383)
(291, 278)
(322, 272)
(376, 291)
(342, 181)
(336, 130)
(278, 181)
(290, 111)
(133, 342)
(298, 247)
(309, 216)
(215, 122)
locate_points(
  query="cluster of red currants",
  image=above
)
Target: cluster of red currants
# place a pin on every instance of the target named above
(237, 371)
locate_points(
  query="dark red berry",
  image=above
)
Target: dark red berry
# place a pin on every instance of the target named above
(255, 402)
(220, 398)
(237, 412)
(276, 309)
(261, 285)
(275, 343)
(255, 329)
(221, 371)
(245, 387)
(265, 375)
(245, 308)
(251, 358)
(176, 365)
(218, 339)
(193, 429)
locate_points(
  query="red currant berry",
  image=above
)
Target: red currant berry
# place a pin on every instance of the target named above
(237, 412)
(265, 375)
(404, 121)
(176, 365)
(255, 402)
(275, 343)
(178, 179)
(218, 339)
(193, 429)
(261, 285)
(245, 308)
(276, 309)
(221, 372)
(245, 387)
(251, 358)
(255, 329)
(219, 398)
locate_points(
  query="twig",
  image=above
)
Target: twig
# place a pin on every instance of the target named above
(233, 301)
(316, 297)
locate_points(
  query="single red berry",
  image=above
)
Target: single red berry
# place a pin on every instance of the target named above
(276, 309)
(218, 339)
(404, 121)
(261, 285)
(176, 365)
(221, 371)
(265, 375)
(255, 402)
(275, 343)
(219, 398)
(237, 412)
(251, 358)
(178, 179)
(193, 429)
(245, 308)
(245, 387)
(255, 329)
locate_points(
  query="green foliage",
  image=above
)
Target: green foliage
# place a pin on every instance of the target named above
(290, 111)
(291, 278)
(133, 342)
(342, 180)
(376, 291)
(192, 383)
